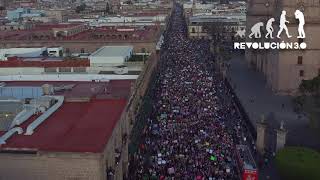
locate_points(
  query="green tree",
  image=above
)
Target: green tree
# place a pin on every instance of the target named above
(309, 100)
(310, 87)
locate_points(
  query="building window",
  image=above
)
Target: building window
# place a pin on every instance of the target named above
(65, 69)
(299, 60)
(193, 30)
(301, 73)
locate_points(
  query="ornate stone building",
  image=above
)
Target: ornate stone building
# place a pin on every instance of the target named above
(285, 69)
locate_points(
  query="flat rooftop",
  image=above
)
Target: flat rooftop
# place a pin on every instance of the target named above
(44, 62)
(113, 51)
(77, 126)
(114, 89)
(101, 34)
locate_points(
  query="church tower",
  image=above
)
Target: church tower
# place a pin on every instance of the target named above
(285, 69)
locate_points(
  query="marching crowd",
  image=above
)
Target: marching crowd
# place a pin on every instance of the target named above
(194, 125)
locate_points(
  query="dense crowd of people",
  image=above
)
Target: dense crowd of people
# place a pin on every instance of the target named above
(194, 125)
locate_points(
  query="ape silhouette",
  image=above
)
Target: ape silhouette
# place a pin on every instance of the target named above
(299, 15)
(255, 30)
(269, 28)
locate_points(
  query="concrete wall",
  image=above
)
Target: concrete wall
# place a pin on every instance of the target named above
(22, 70)
(132, 66)
(106, 61)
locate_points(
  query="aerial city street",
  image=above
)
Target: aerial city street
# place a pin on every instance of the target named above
(194, 126)
(159, 90)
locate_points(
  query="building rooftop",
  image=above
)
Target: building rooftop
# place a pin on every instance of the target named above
(105, 34)
(83, 123)
(44, 62)
(113, 51)
(114, 89)
(74, 127)
(220, 18)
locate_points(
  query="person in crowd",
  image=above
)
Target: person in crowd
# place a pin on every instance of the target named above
(195, 125)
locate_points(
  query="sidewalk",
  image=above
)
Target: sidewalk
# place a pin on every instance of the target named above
(258, 99)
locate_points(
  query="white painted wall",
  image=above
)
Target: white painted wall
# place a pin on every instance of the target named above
(106, 61)
(21, 52)
(132, 66)
(21, 70)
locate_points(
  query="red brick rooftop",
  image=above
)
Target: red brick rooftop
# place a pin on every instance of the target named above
(76, 126)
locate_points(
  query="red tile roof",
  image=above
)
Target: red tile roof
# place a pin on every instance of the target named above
(74, 127)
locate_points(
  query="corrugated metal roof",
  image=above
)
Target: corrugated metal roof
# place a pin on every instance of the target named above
(21, 92)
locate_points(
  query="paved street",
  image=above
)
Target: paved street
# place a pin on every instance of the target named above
(258, 99)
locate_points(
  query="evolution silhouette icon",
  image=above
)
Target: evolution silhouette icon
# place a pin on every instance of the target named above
(256, 33)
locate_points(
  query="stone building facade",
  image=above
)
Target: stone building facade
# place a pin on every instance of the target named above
(285, 69)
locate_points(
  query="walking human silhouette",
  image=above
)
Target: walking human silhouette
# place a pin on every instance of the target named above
(299, 15)
(255, 30)
(283, 25)
(269, 28)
